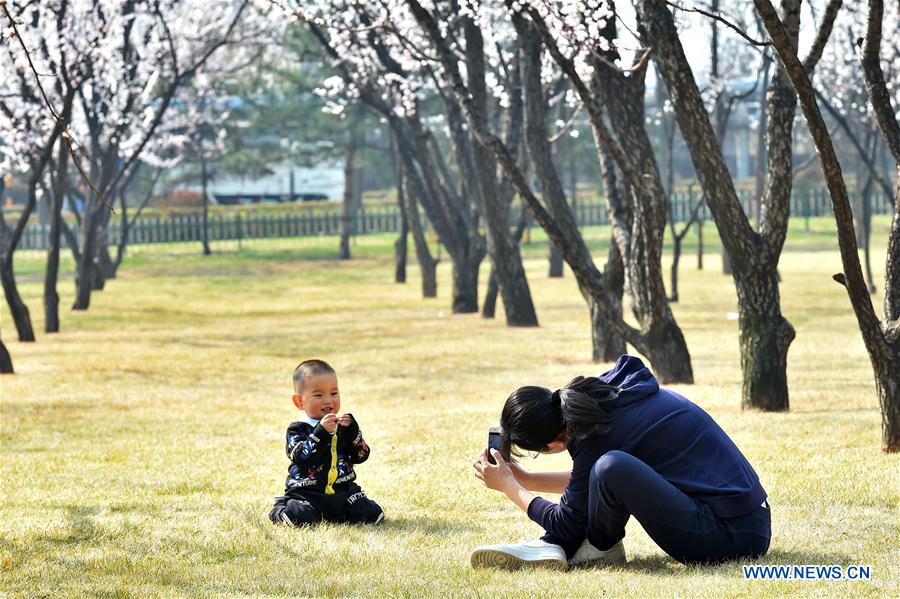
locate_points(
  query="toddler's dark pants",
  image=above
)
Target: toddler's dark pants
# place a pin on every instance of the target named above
(621, 485)
(303, 508)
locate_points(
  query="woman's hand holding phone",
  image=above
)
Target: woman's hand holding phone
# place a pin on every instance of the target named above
(499, 476)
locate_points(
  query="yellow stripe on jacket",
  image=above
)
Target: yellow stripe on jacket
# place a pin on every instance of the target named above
(332, 472)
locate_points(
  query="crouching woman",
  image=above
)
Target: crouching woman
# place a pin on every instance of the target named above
(637, 450)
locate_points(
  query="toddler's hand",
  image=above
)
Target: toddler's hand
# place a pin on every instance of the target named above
(329, 422)
(345, 420)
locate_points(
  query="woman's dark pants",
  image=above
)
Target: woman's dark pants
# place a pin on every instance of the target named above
(622, 485)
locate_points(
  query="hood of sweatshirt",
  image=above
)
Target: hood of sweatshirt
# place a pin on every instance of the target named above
(634, 380)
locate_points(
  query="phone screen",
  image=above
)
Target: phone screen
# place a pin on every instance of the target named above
(493, 442)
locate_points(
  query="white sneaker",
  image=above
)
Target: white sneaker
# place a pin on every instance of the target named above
(588, 555)
(533, 552)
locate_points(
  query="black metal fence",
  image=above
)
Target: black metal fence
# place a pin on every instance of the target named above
(182, 228)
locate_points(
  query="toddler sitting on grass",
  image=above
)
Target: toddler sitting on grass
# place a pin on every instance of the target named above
(322, 447)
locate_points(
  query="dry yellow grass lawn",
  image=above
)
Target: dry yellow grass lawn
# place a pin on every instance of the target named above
(141, 446)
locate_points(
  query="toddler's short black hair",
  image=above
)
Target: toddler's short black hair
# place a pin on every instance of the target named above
(310, 368)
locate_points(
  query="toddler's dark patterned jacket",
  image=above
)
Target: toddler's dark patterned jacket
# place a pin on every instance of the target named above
(321, 461)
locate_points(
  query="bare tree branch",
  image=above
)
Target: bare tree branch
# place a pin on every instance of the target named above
(720, 19)
(568, 124)
(863, 154)
(822, 35)
(875, 83)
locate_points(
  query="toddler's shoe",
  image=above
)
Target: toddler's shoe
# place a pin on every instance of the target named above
(588, 555)
(530, 553)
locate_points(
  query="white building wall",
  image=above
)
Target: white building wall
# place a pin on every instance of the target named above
(326, 179)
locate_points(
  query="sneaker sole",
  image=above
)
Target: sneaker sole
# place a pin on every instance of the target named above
(491, 558)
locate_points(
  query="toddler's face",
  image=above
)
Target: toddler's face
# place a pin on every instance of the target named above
(319, 396)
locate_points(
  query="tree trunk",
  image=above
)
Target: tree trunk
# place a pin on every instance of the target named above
(20, 314)
(51, 297)
(401, 244)
(666, 348)
(560, 225)
(573, 180)
(18, 309)
(90, 272)
(125, 223)
(513, 286)
(677, 239)
(753, 256)
(764, 340)
(719, 109)
(450, 215)
(606, 344)
(506, 259)
(347, 208)
(123, 232)
(727, 269)
(6, 365)
(489, 307)
(865, 226)
(887, 384)
(428, 268)
(669, 147)
(107, 269)
(44, 209)
(400, 250)
(623, 97)
(700, 244)
(104, 261)
(204, 175)
(455, 225)
(676, 257)
(881, 337)
(465, 286)
(867, 236)
(71, 241)
(427, 264)
(760, 174)
(88, 263)
(556, 263)
(639, 243)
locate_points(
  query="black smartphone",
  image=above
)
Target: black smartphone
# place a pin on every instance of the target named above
(493, 442)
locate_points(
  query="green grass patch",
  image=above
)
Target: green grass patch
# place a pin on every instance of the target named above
(142, 445)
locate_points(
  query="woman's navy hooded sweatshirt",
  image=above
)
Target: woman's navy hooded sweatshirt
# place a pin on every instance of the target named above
(667, 432)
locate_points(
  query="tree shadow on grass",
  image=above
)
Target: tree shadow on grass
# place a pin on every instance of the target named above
(653, 564)
(438, 527)
(441, 527)
(61, 555)
(785, 556)
(81, 527)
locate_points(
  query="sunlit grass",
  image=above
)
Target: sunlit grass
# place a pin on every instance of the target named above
(142, 445)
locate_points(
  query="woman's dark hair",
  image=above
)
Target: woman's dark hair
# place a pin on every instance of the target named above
(533, 417)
